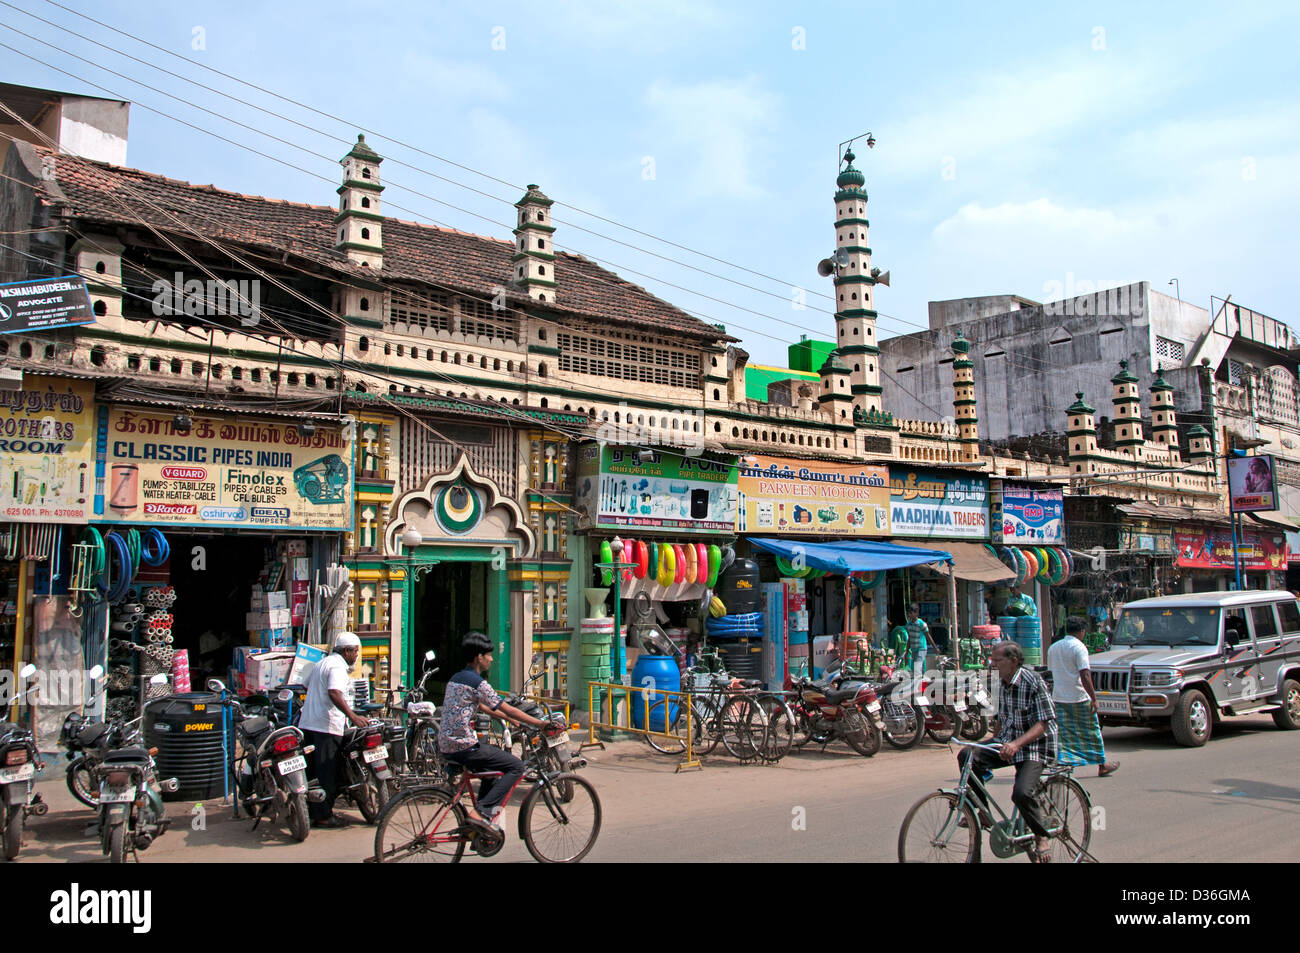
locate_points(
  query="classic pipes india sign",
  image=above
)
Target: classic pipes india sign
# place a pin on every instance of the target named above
(46, 443)
(222, 471)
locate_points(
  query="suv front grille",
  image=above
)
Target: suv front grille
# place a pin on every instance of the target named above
(1110, 681)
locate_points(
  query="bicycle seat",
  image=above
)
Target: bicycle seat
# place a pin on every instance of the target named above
(751, 682)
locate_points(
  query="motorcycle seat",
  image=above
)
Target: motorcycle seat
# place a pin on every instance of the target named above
(839, 697)
(421, 709)
(93, 734)
(252, 727)
(128, 754)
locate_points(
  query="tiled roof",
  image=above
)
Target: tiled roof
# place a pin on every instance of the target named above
(439, 257)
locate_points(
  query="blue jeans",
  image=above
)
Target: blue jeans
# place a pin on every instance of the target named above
(481, 757)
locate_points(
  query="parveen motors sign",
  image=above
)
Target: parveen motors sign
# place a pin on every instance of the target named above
(222, 471)
(43, 304)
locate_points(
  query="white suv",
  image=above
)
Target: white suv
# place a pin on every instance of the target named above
(1186, 661)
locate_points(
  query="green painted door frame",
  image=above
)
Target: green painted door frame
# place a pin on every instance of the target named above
(422, 562)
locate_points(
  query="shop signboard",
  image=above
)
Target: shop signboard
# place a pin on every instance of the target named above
(931, 505)
(782, 496)
(1030, 515)
(1212, 549)
(1146, 538)
(46, 450)
(656, 489)
(223, 471)
(1252, 484)
(42, 304)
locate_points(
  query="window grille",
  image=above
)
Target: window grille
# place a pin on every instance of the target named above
(1171, 350)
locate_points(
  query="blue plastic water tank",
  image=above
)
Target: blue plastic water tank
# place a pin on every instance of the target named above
(659, 672)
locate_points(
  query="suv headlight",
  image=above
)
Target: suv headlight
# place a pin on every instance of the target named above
(1163, 678)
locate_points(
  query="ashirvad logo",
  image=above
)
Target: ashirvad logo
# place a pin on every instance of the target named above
(98, 907)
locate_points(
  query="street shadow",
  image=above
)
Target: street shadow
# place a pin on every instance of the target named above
(1258, 790)
(1157, 739)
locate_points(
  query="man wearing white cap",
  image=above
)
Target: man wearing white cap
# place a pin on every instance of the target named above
(325, 714)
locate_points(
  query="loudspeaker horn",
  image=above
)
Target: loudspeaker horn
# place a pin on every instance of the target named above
(825, 267)
(882, 277)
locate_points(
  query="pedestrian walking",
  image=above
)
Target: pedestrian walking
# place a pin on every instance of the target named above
(1076, 701)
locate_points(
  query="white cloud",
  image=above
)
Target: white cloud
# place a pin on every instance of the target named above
(705, 136)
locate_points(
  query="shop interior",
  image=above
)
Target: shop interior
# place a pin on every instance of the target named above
(450, 600)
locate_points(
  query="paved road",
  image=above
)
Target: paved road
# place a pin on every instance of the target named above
(1238, 798)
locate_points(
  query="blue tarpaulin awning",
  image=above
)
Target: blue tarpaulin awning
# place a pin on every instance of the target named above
(850, 555)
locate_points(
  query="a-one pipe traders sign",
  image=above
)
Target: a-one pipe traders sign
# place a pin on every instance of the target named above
(42, 304)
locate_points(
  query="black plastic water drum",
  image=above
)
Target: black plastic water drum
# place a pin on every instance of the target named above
(739, 588)
(187, 730)
(742, 658)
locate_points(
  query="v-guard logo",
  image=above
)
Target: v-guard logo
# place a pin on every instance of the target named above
(77, 907)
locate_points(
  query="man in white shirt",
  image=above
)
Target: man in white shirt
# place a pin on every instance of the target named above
(1076, 701)
(325, 715)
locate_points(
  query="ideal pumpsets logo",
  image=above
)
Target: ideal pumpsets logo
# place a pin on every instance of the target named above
(77, 907)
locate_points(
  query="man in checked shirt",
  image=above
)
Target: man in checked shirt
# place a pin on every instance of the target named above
(1027, 734)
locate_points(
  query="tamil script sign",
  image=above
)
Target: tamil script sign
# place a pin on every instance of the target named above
(1032, 515)
(1252, 484)
(223, 471)
(786, 497)
(668, 489)
(46, 444)
(1212, 549)
(44, 303)
(933, 505)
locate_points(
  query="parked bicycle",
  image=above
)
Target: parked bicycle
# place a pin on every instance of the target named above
(722, 709)
(429, 823)
(946, 826)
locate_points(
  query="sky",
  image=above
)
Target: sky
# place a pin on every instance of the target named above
(1019, 148)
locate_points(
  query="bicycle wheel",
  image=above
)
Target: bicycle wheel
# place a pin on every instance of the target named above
(743, 728)
(705, 714)
(677, 725)
(421, 826)
(935, 831)
(779, 738)
(558, 832)
(1066, 805)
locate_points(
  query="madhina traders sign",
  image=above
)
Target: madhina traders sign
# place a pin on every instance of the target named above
(46, 443)
(783, 496)
(223, 471)
(927, 504)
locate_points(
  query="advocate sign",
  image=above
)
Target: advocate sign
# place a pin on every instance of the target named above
(44, 304)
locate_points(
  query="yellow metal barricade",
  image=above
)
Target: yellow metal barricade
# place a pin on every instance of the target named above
(644, 697)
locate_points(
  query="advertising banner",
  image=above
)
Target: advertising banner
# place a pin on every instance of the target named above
(44, 303)
(224, 471)
(46, 447)
(932, 505)
(1251, 483)
(668, 490)
(782, 496)
(1212, 549)
(1033, 516)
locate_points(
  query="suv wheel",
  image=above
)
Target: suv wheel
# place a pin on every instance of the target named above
(1288, 716)
(1193, 719)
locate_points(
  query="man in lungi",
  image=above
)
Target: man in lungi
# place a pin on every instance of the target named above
(1076, 701)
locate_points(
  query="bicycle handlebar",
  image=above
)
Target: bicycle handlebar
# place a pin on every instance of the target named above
(974, 744)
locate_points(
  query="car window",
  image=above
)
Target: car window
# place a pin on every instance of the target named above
(1290, 613)
(1237, 622)
(1160, 626)
(1265, 622)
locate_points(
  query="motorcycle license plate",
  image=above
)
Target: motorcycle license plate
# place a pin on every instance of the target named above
(923, 701)
(556, 740)
(296, 763)
(981, 699)
(21, 773)
(959, 706)
(873, 706)
(375, 754)
(117, 795)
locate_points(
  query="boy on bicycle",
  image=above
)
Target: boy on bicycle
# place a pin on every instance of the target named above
(1027, 734)
(468, 693)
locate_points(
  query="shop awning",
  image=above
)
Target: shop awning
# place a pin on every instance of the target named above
(970, 561)
(851, 555)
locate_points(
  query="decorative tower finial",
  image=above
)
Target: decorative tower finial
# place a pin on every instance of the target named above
(534, 257)
(963, 388)
(1164, 428)
(1128, 413)
(1081, 435)
(359, 223)
(855, 316)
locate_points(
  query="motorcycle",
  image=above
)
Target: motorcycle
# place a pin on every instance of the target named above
(271, 767)
(18, 767)
(415, 744)
(979, 714)
(131, 811)
(903, 710)
(946, 713)
(835, 710)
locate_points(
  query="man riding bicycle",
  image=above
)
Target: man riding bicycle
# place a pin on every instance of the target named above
(468, 693)
(1027, 734)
